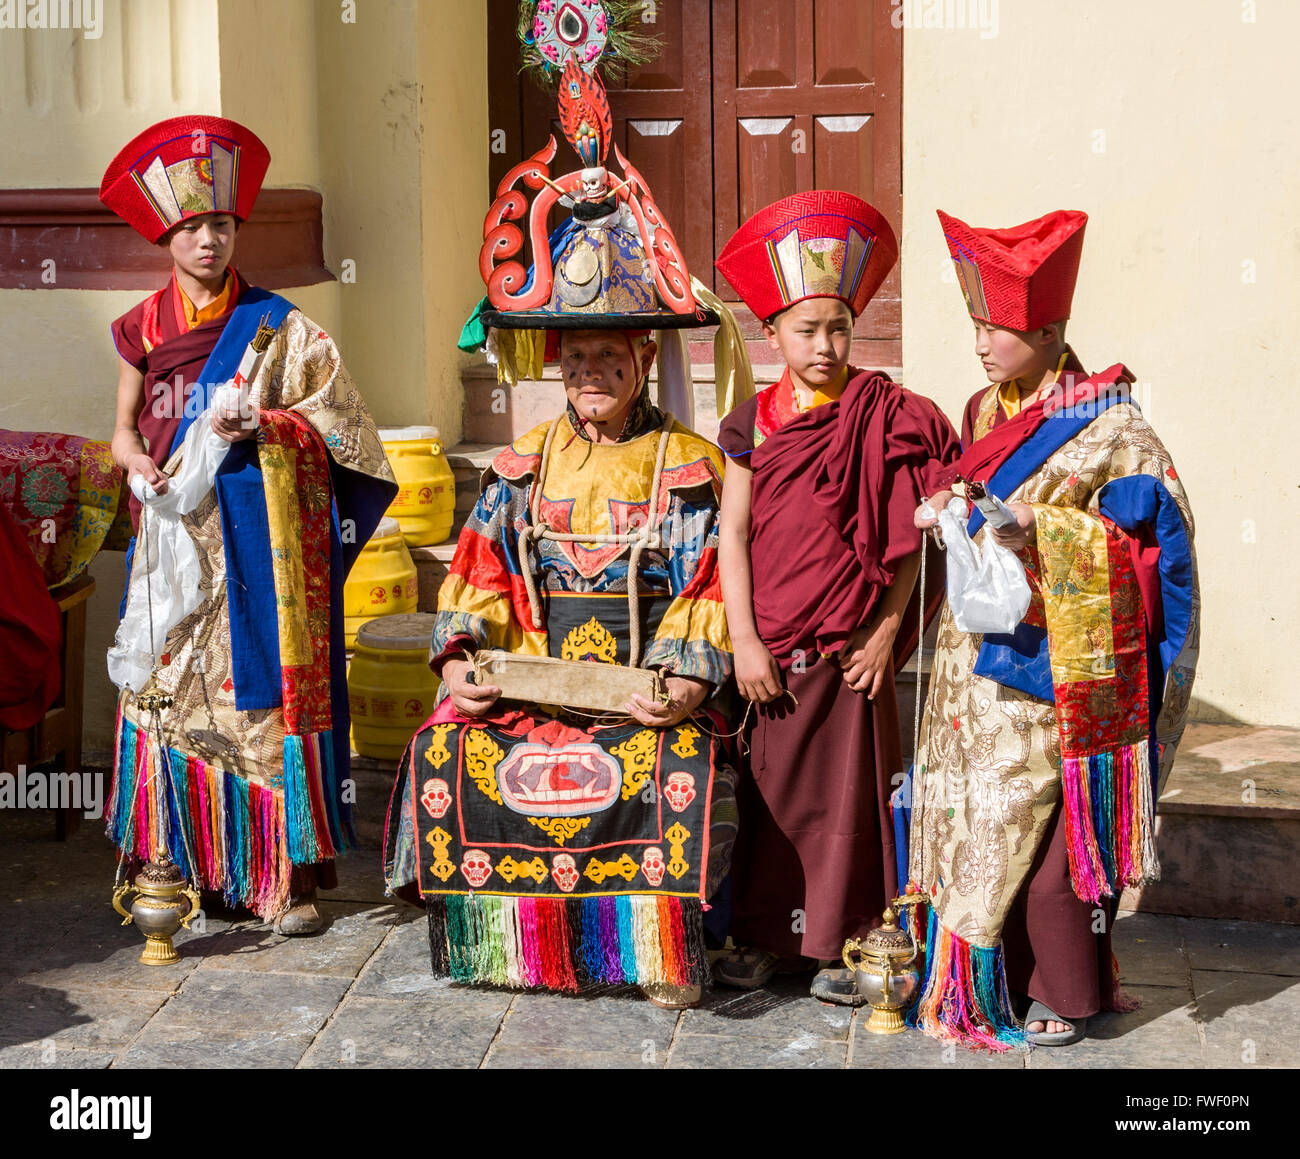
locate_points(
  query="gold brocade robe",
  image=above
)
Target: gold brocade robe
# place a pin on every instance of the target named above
(989, 759)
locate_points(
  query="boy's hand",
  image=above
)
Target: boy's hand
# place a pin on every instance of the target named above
(758, 675)
(1023, 534)
(937, 502)
(866, 658)
(234, 427)
(141, 464)
(685, 694)
(468, 699)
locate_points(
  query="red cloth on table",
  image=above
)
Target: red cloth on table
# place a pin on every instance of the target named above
(31, 633)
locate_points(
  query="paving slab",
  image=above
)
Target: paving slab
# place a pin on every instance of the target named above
(623, 1025)
(401, 967)
(549, 1058)
(353, 934)
(90, 1018)
(1162, 1034)
(413, 1031)
(804, 1052)
(782, 1010)
(914, 1049)
(42, 1058)
(1250, 1020)
(89, 962)
(210, 1048)
(1253, 947)
(243, 1001)
(1149, 950)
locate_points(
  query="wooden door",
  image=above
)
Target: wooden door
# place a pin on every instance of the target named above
(746, 102)
(806, 95)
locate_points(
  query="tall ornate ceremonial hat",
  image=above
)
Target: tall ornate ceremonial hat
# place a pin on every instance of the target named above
(614, 264)
(184, 167)
(821, 244)
(1022, 277)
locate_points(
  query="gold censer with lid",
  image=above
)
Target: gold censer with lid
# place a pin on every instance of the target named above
(883, 965)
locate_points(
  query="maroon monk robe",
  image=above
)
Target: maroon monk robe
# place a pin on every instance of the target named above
(1050, 949)
(834, 493)
(152, 337)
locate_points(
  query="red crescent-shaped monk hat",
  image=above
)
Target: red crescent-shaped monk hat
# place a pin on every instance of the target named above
(184, 167)
(820, 244)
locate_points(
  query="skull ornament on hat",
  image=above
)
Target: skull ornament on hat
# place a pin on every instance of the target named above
(185, 167)
(820, 244)
(1021, 277)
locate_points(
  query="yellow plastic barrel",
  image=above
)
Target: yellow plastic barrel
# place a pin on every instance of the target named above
(390, 688)
(426, 504)
(382, 581)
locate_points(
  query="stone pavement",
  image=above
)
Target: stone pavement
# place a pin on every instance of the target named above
(1214, 993)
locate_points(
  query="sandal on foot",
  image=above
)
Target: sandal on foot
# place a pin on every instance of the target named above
(670, 997)
(1040, 1013)
(302, 918)
(836, 984)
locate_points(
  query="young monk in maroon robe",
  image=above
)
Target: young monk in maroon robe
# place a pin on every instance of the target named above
(819, 559)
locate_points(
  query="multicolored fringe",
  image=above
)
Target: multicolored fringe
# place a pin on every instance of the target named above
(1121, 1001)
(236, 829)
(315, 831)
(562, 944)
(964, 998)
(1110, 820)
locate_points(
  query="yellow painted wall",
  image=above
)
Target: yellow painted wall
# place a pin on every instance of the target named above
(454, 192)
(1174, 126)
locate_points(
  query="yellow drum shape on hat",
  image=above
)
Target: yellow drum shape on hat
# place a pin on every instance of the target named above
(382, 581)
(426, 504)
(390, 688)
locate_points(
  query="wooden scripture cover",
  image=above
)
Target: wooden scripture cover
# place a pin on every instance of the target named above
(579, 684)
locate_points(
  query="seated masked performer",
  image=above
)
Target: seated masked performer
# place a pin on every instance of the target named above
(553, 847)
(819, 563)
(1043, 750)
(233, 723)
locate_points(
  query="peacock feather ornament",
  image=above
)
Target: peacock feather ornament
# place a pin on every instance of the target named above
(605, 33)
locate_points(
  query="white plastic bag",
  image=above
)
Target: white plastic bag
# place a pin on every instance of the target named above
(165, 573)
(987, 590)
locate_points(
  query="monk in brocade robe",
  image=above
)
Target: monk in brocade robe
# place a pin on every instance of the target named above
(239, 779)
(551, 847)
(819, 563)
(1043, 750)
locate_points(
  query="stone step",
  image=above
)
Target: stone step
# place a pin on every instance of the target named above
(1229, 827)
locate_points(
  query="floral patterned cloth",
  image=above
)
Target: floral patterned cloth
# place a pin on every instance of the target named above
(67, 495)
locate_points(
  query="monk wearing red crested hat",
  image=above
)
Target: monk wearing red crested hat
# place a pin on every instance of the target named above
(236, 772)
(819, 560)
(1043, 749)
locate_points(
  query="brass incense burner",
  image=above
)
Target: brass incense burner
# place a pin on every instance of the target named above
(883, 965)
(163, 904)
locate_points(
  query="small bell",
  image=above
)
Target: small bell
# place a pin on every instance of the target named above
(884, 973)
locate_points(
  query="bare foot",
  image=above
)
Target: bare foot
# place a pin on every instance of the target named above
(1049, 1027)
